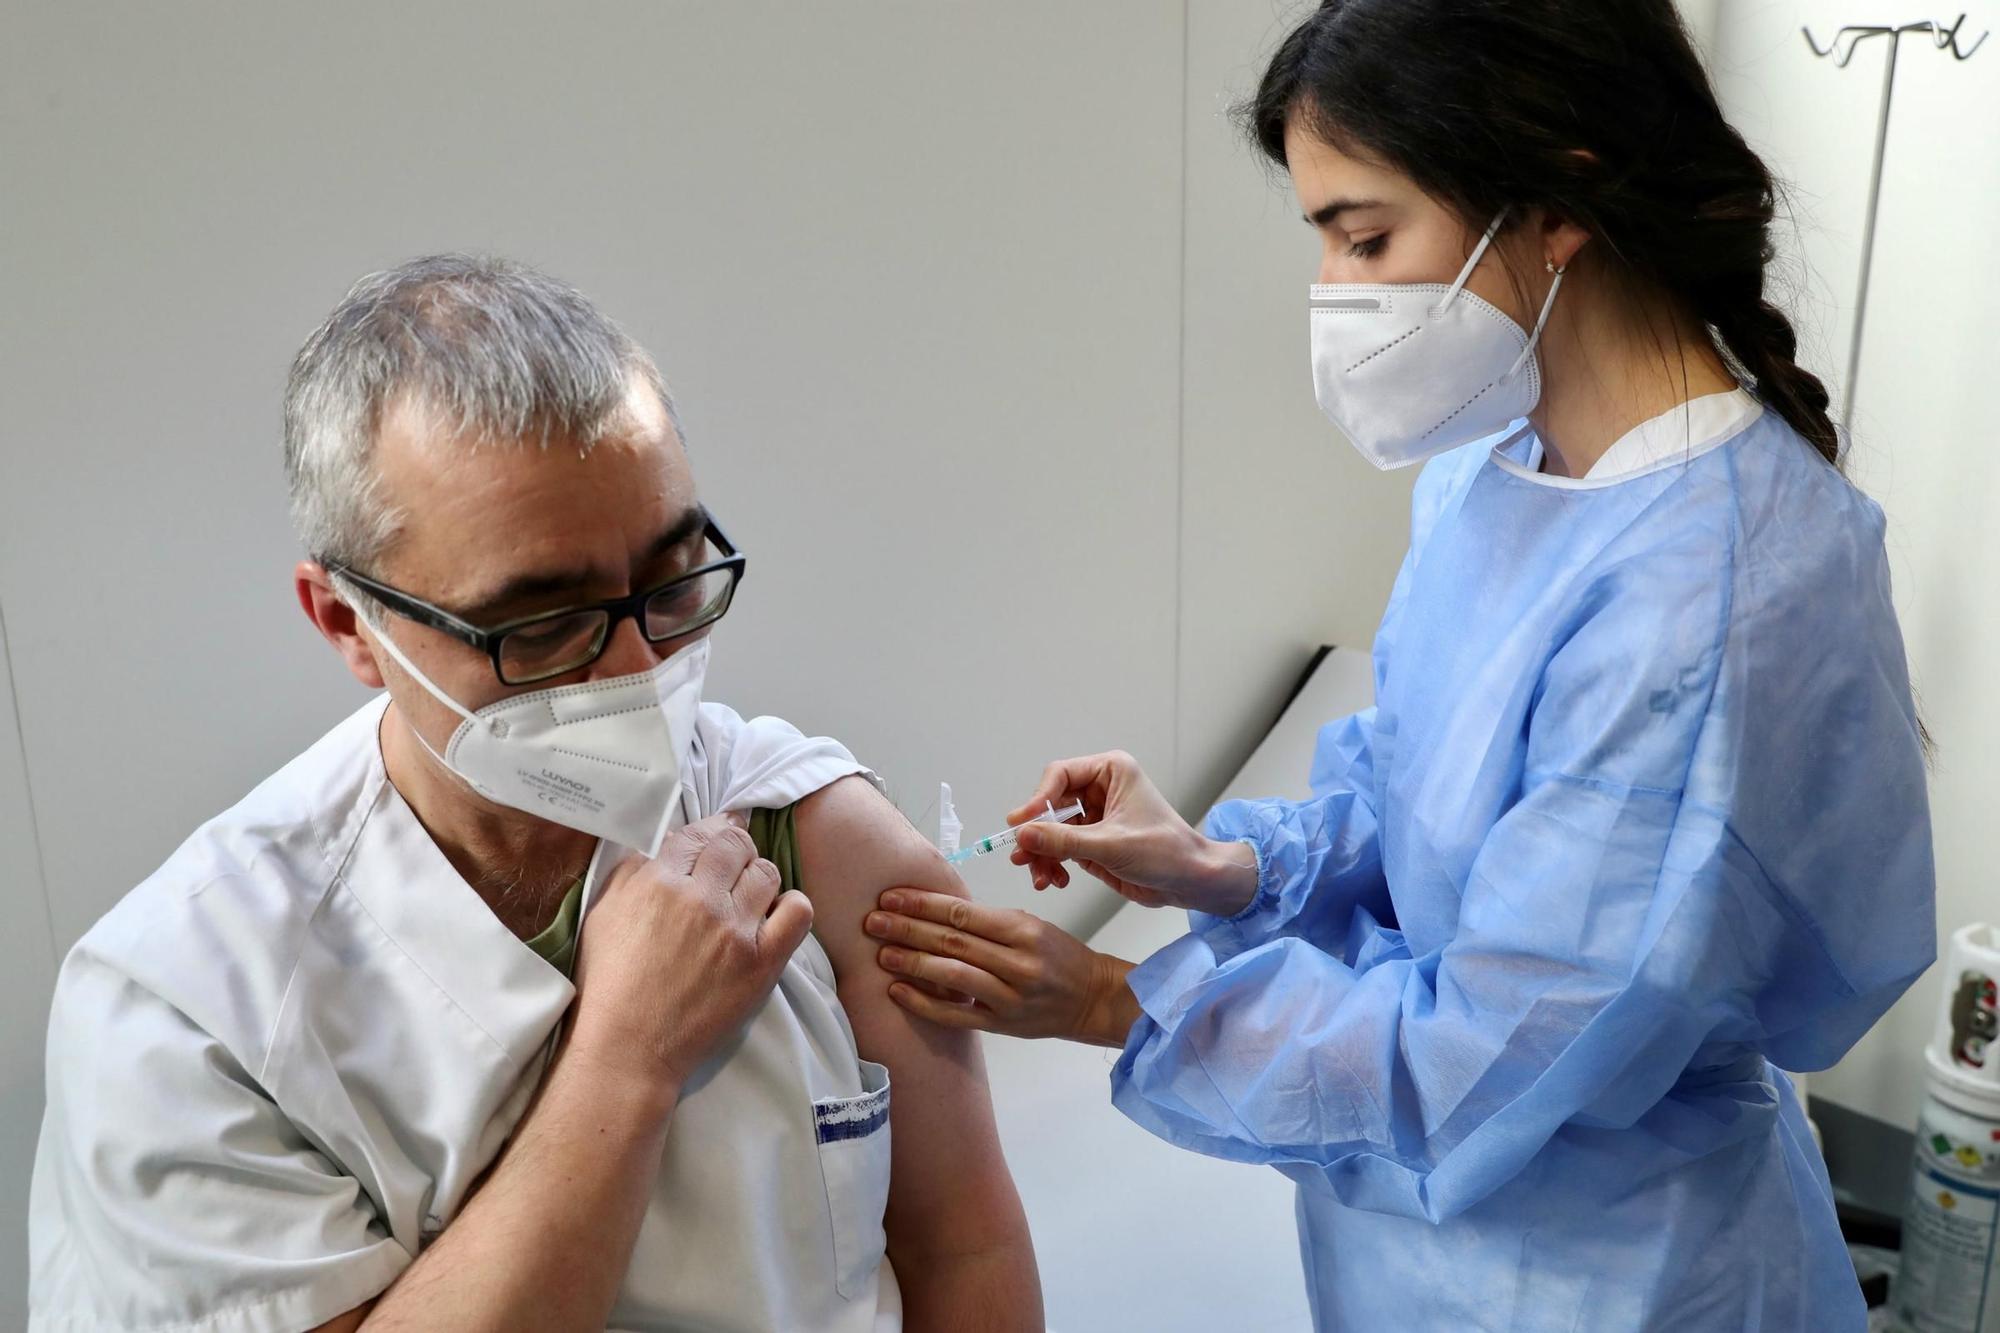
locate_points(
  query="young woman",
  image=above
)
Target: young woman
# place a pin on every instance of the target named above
(1639, 813)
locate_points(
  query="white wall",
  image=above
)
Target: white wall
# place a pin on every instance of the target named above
(1926, 417)
(1701, 17)
(989, 336)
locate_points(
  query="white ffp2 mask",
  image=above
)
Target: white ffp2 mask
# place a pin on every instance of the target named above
(1409, 370)
(602, 757)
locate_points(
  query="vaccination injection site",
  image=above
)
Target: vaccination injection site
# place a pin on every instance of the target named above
(1145, 666)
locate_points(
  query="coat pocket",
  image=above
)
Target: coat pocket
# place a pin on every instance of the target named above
(853, 1134)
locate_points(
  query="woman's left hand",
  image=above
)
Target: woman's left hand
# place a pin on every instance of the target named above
(1017, 973)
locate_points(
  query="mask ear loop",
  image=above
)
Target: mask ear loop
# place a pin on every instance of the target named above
(382, 637)
(1540, 321)
(1478, 253)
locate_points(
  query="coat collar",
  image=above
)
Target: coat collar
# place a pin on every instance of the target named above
(426, 909)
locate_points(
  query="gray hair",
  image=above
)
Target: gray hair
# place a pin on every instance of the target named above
(491, 349)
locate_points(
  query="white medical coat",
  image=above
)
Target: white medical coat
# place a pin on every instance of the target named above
(277, 1066)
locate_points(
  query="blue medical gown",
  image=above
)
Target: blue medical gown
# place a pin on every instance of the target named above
(1639, 813)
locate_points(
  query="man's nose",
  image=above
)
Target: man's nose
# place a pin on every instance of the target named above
(627, 654)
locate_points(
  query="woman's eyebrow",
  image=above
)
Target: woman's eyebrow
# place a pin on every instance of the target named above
(1332, 209)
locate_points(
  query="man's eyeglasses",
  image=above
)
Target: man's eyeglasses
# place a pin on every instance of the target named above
(556, 642)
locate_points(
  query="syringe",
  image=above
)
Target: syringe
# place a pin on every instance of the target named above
(1006, 838)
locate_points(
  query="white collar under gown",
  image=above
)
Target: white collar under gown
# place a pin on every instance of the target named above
(1639, 813)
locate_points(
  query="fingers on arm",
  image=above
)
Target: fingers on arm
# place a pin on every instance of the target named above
(945, 942)
(945, 1013)
(944, 993)
(954, 943)
(999, 924)
(950, 974)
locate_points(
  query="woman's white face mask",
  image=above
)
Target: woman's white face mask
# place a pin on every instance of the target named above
(602, 757)
(1409, 370)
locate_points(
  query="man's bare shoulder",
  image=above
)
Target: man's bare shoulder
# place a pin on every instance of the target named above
(854, 814)
(852, 845)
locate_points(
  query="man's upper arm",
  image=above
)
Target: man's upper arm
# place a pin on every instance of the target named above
(950, 1190)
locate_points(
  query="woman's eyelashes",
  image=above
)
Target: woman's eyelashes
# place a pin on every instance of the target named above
(1371, 248)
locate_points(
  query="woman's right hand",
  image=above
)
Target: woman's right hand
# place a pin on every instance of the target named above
(1132, 839)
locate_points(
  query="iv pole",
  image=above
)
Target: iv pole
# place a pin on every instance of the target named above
(1943, 39)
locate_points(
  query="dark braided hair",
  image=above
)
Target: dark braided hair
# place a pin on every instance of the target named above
(1598, 111)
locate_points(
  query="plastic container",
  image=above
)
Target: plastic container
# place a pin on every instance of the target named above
(1950, 1276)
(949, 828)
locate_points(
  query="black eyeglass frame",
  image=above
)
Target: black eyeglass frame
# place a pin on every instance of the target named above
(630, 607)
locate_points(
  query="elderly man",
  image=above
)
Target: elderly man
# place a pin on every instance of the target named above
(331, 1065)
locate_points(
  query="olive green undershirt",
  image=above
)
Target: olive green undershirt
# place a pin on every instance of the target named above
(774, 831)
(557, 944)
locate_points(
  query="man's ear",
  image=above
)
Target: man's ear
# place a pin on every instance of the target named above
(336, 621)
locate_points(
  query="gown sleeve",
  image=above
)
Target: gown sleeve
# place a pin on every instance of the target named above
(1317, 860)
(1615, 930)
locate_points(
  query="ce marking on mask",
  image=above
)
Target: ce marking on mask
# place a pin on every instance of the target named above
(563, 792)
